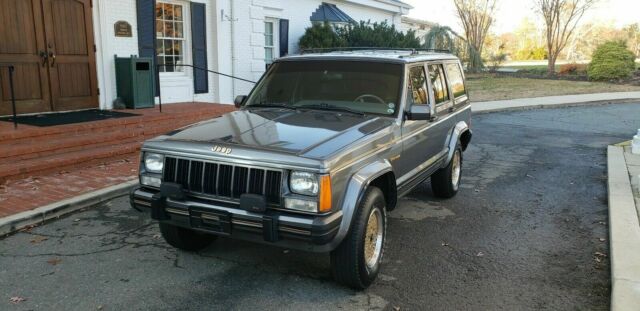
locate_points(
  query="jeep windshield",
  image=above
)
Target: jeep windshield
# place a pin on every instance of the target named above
(344, 86)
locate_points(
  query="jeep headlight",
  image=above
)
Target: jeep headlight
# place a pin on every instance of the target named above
(153, 162)
(304, 183)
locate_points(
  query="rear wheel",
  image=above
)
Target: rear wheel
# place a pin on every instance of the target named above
(185, 239)
(446, 181)
(356, 261)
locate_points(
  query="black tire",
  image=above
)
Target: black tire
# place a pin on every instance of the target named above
(348, 263)
(185, 239)
(442, 181)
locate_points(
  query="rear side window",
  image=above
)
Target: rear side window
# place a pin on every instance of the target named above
(440, 92)
(418, 85)
(456, 80)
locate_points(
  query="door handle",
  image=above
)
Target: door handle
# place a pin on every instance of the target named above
(44, 57)
(53, 58)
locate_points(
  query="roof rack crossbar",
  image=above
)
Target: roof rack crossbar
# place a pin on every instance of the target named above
(348, 49)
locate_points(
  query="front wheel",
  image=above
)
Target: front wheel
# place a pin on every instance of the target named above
(445, 181)
(185, 239)
(356, 261)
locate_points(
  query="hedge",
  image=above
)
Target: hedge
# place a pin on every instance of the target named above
(611, 61)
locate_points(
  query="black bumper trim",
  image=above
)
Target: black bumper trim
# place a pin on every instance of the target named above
(272, 227)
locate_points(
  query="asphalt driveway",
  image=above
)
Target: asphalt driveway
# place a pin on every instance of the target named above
(527, 231)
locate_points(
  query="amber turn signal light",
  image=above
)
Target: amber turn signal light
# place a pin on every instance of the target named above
(325, 194)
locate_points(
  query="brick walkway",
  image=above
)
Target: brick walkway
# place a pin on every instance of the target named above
(32, 192)
(43, 165)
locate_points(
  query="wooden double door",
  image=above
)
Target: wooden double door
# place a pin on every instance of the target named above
(50, 43)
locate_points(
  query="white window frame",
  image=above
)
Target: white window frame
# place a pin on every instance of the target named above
(276, 39)
(186, 40)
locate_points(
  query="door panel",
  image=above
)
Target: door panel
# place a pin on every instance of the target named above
(444, 106)
(72, 59)
(21, 42)
(418, 139)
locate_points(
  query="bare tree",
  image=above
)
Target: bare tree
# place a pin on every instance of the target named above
(476, 17)
(561, 18)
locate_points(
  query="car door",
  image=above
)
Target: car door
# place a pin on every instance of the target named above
(419, 144)
(444, 108)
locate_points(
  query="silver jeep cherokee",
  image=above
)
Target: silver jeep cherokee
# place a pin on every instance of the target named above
(314, 157)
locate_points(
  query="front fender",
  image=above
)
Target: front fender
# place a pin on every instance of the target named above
(460, 128)
(354, 192)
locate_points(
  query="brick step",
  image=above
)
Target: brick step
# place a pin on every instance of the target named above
(58, 162)
(45, 145)
(32, 151)
(58, 132)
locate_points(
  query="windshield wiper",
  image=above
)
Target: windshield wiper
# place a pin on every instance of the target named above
(274, 105)
(332, 107)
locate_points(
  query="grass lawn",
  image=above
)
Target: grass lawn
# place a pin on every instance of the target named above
(489, 87)
(532, 67)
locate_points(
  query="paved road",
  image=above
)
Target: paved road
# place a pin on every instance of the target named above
(522, 234)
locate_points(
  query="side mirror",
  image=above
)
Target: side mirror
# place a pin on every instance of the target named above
(239, 100)
(419, 113)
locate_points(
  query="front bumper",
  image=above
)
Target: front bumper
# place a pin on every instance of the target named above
(303, 232)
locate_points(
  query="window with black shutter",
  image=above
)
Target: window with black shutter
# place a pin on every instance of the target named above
(199, 47)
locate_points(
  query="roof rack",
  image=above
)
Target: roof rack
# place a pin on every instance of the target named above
(350, 49)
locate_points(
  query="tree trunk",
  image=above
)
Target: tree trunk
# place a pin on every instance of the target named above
(551, 65)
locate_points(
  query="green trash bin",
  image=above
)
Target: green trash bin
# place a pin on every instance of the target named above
(134, 81)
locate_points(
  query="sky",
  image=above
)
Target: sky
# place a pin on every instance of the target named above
(511, 12)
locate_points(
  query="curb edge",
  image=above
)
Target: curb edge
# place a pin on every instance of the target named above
(41, 214)
(561, 105)
(624, 234)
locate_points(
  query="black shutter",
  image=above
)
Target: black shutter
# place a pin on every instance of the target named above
(199, 38)
(284, 37)
(146, 11)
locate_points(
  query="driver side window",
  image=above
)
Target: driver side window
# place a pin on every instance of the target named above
(418, 86)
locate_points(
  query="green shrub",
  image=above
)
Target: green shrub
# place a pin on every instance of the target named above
(363, 34)
(383, 35)
(320, 35)
(496, 60)
(611, 61)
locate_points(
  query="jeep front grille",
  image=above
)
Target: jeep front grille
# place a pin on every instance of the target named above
(222, 180)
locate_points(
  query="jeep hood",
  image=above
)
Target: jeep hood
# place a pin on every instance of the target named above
(314, 133)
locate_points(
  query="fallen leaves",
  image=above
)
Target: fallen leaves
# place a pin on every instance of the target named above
(17, 299)
(599, 256)
(54, 261)
(38, 238)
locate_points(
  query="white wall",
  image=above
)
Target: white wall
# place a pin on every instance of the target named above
(248, 31)
(175, 88)
(242, 20)
(105, 14)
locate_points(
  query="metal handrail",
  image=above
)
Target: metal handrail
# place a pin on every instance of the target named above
(13, 96)
(195, 67)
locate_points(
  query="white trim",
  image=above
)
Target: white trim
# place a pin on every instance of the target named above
(385, 5)
(103, 74)
(186, 39)
(276, 38)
